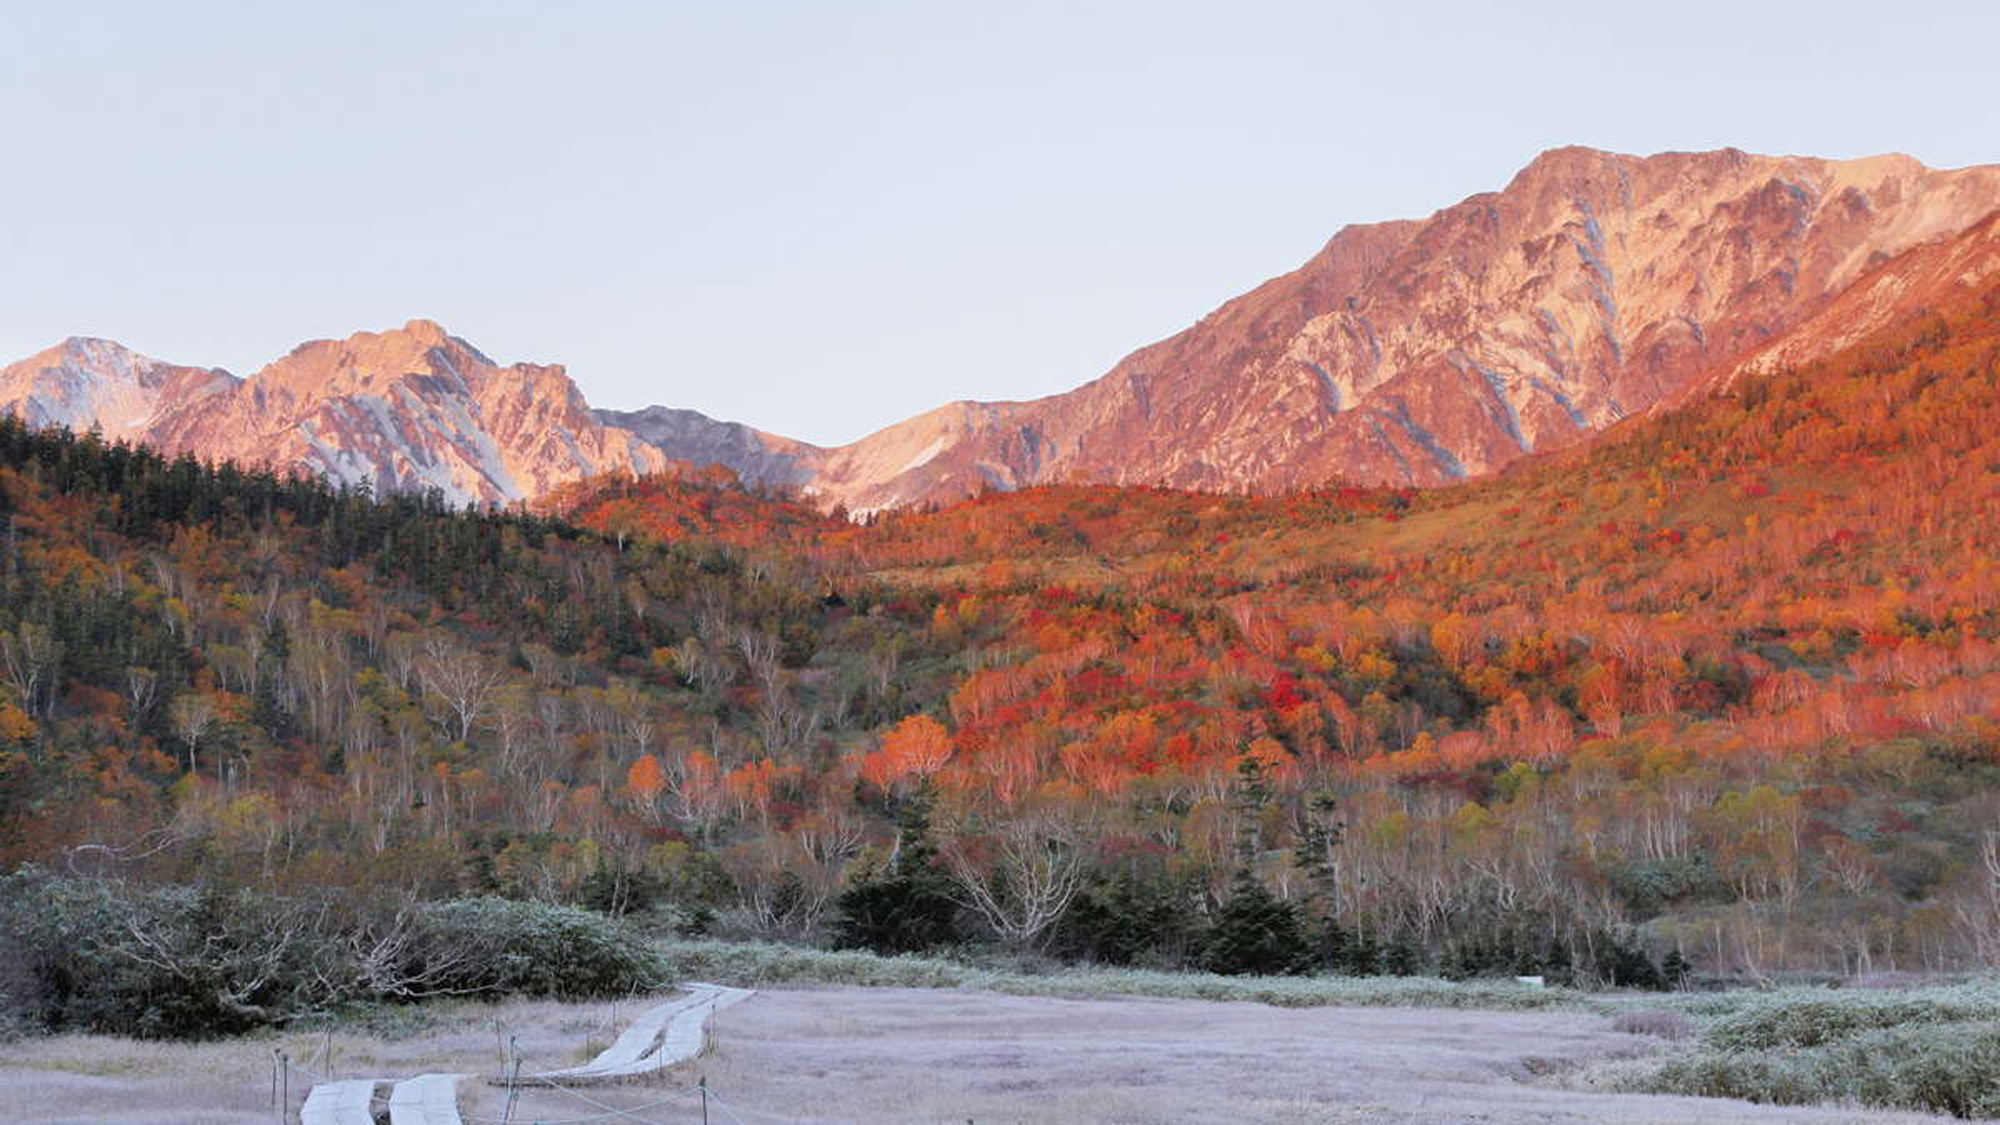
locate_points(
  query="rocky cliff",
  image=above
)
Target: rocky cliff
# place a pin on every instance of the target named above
(408, 409)
(1592, 287)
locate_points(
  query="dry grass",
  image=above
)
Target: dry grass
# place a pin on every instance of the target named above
(759, 964)
(1949, 1068)
(840, 1054)
(78, 1078)
(1889, 981)
(1656, 1022)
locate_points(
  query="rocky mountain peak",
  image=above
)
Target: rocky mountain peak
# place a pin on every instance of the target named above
(86, 381)
(369, 362)
(1593, 286)
(422, 328)
(93, 349)
(408, 408)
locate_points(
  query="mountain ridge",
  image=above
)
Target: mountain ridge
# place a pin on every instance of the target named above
(1592, 287)
(408, 408)
(1365, 364)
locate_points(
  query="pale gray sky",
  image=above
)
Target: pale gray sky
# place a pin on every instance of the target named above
(821, 218)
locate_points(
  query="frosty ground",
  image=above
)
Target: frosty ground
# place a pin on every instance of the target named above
(845, 1054)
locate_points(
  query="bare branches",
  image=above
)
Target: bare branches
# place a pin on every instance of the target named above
(1032, 867)
(32, 657)
(387, 957)
(193, 715)
(146, 846)
(463, 679)
(142, 690)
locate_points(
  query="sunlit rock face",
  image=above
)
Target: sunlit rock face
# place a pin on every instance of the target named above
(410, 409)
(83, 383)
(1590, 288)
(1911, 286)
(687, 435)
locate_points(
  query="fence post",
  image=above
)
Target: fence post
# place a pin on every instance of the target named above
(514, 1078)
(703, 1084)
(285, 1070)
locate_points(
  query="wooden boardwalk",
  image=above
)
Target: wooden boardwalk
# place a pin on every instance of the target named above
(634, 1044)
(687, 1033)
(427, 1099)
(669, 1034)
(346, 1102)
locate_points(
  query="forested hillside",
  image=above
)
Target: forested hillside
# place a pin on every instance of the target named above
(1731, 676)
(708, 503)
(279, 680)
(1723, 686)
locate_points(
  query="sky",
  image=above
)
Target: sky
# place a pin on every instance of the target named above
(820, 218)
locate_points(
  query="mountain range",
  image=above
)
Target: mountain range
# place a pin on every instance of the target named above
(1593, 287)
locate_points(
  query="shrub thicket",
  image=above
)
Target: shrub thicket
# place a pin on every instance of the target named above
(1812, 1021)
(1951, 1068)
(188, 962)
(1935, 1049)
(757, 964)
(534, 949)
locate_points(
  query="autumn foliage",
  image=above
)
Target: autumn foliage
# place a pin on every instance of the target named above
(1725, 682)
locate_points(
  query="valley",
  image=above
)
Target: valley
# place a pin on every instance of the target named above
(1593, 287)
(391, 674)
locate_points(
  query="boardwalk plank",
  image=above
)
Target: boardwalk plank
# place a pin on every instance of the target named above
(635, 1044)
(427, 1099)
(686, 1034)
(346, 1102)
(666, 1035)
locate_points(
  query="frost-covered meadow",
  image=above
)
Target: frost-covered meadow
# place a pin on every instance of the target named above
(856, 1038)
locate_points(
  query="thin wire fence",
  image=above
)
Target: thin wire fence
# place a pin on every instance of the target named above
(700, 1090)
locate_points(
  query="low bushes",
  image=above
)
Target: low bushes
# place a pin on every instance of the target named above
(193, 962)
(756, 963)
(1933, 1049)
(1951, 1068)
(535, 949)
(1813, 1021)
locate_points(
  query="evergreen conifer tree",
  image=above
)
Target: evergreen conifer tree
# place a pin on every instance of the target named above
(907, 907)
(1675, 970)
(1256, 932)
